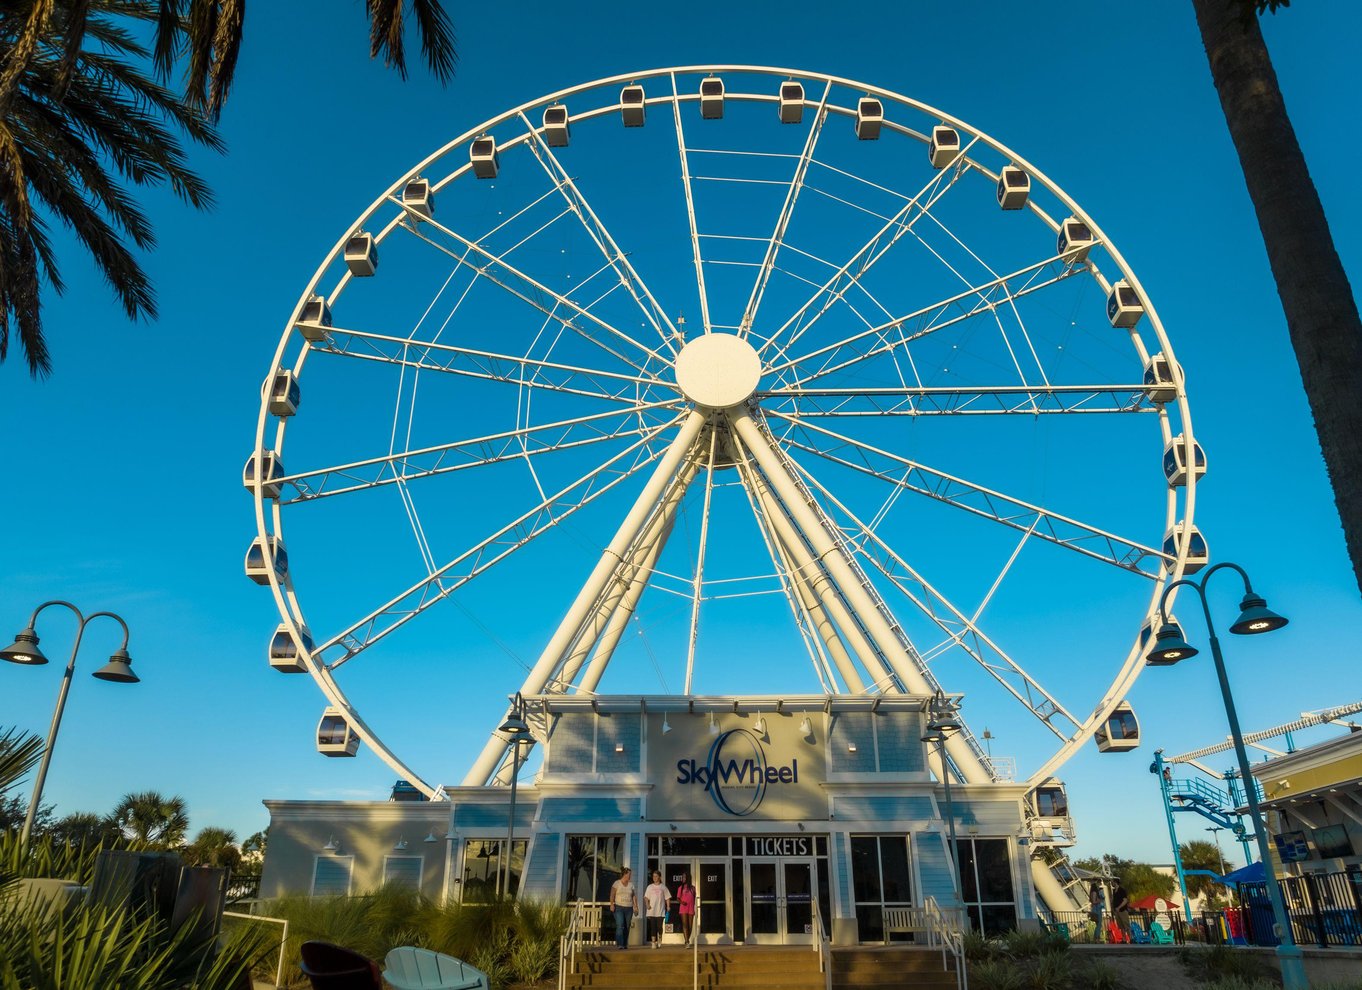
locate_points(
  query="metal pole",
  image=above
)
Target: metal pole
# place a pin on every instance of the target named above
(51, 736)
(1288, 952)
(510, 820)
(1215, 831)
(950, 823)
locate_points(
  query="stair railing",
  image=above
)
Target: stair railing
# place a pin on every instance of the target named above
(946, 929)
(695, 942)
(567, 945)
(822, 946)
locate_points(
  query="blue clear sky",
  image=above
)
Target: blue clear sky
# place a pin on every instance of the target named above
(131, 453)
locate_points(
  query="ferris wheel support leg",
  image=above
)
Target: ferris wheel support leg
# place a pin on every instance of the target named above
(818, 593)
(815, 616)
(828, 550)
(614, 614)
(568, 629)
(1048, 888)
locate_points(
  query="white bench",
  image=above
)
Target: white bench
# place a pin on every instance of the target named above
(904, 921)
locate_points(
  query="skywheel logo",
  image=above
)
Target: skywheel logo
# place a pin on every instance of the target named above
(736, 773)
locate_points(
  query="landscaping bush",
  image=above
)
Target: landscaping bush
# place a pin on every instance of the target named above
(1050, 972)
(996, 974)
(1100, 976)
(1220, 962)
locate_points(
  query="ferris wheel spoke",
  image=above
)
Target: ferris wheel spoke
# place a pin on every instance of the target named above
(521, 371)
(690, 209)
(864, 258)
(439, 584)
(986, 297)
(590, 327)
(600, 236)
(961, 630)
(980, 400)
(406, 466)
(768, 264)
(1008, 511)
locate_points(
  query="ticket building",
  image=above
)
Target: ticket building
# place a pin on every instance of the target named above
(777, 808)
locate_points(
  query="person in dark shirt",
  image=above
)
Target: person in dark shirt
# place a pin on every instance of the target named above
(1120, 908)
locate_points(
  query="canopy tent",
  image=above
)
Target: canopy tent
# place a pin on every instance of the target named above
(1253, 873)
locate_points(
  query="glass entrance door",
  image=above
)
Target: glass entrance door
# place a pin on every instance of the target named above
(710, 877)
(780, 895)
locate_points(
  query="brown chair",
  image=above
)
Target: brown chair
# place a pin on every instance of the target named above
(331, 967)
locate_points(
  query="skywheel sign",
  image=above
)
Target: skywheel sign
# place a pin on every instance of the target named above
(736, 773)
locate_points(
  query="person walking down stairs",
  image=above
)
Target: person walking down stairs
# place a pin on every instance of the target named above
(623, 902)
(655, 899)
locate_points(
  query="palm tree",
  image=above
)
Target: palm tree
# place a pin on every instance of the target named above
(1321, 313)
(214, 846)
(78, 113)
(74, 96)
(1200, 854)
(152, 818)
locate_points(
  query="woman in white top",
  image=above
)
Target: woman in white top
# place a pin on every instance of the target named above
(655, 899)
(624, 902)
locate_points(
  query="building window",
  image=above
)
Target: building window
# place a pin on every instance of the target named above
(986, 879)
(594, 862)
(331, 875)
(880, 878)
(403, 871)
(482, 869)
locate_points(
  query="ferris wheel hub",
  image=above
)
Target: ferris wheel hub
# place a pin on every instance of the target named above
(718, 371)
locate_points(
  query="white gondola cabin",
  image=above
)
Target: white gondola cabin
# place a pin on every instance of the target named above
(265, 559)
(1198, 554)
(791, 102)
(315, 319)
(483, 154)
(869, 118)
(1051, 800)
(1158, 380)
(557, 131)
(287, 655)
(1075, 240)
(944, 146)
(1124, 308)
(1014, 188)
(335, 737)
(285, 394)
(418, 198)
(1120, 733)
(361, 254)
(712, 98)
(633, 110)
(271, 470)
(1175, 461)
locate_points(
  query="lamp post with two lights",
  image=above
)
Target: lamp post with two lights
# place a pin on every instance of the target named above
(1254, 618)
(515, 727)
(25, 651)
(944, 720)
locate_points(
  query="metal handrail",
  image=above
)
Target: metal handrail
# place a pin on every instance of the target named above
(695, 942)
(940, 926)
(822, 946)
(567, 945)
(283, 938)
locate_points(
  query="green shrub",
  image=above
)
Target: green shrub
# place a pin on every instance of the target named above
(996, 974)
(1025, 945)
(1049, 972)
(1221, 961)
(1100, 976)
(979, 947)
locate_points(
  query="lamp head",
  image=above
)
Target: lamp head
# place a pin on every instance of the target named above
(514, 725)
(1169, 648)
(25, 649)
(943, 724)
(118, 669)
(1255, 617)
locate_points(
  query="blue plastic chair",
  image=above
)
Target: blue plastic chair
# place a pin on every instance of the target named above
(1138, 934)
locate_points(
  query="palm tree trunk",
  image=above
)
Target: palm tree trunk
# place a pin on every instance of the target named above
(1321, 314)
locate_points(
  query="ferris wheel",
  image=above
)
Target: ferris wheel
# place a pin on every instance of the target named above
(724, 378)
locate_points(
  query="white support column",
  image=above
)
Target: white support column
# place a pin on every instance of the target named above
(815, 587)
(829, 551)
(611, 560)
(628, 588)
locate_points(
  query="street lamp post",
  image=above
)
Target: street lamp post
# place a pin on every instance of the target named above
(1254, 618)
(25, 651)
(1215, 831)
(940, 725)
(515, 727)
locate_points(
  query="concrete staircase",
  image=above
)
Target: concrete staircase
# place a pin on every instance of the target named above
(753, 967)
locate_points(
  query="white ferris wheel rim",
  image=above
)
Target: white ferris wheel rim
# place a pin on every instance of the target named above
(268, 510)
